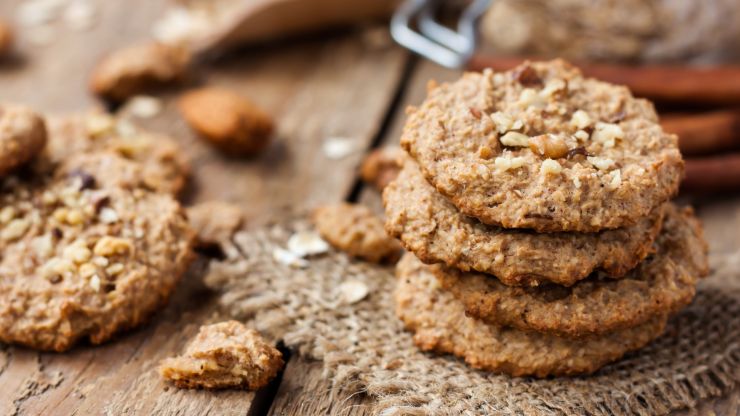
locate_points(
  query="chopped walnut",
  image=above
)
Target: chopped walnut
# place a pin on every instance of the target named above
(601, 163)
(514, 139)
(549, 145)
(580, 120)
(550, 167)
(607, 134)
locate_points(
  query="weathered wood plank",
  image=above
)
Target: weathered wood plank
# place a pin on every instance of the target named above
(317, 89)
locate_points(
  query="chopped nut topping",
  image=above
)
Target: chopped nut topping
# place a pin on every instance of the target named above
(527, 76)
(581, 120)
(549, 146)
(95, 283)
(581, 135)
(530, 98)
(607, 133)
(109, 246)
(616, 179)
(108, 215)
(577, 182)
(485, 152)
(514, 139)
(553, 87)
(601, 163)
(504, 163)
(15, 229)
(550, 167)
(502, 121)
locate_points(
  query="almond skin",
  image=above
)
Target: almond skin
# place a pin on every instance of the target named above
(227, 120)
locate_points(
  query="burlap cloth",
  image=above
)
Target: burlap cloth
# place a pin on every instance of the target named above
(364, 346)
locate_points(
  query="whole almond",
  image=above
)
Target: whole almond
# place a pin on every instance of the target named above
(22, 136)
(6, 38)
(227, 120)
(137, 69)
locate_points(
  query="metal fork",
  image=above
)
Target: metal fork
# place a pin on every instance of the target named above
(434, 41)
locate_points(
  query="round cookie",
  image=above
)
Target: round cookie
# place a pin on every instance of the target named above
(84, 259)
(431, 227)
(439, 324)
(543, 147)
(662, 284)
(22, 136)
(164, 167)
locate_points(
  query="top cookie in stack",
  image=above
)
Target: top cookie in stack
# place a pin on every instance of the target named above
(540, 196)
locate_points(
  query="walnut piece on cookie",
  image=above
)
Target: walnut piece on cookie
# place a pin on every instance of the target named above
(22, 136)
(227, 120)
(355, 230)
(214, 221)
(224, 355)
(517, 149)
(139, 68)
(381, 166)
(6, 39)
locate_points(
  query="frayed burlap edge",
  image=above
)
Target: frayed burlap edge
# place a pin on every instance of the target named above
(314, 310)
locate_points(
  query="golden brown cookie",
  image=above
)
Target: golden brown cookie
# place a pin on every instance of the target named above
(431, 227)
(224, 355)
(139, 68)
(543, 147)
(227, 120)
(22, 136)
(84, 258)
(440, 324)
(164, 166)
(662, 284)
(356, 230)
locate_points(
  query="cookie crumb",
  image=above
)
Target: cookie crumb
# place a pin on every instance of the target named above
(355, 230)
(22, 136)
(227, 120)
(139, 68)
(381, 166)
(338, 147)
(214, 221)
(224, 355)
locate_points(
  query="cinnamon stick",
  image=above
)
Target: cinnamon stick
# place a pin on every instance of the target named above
(716, 85)
(713, 174)
(704, 133)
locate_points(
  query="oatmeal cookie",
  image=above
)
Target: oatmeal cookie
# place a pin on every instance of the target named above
(662, 284)
(22, 136)
(431, 227)
(543, 147)
(164, 166)
(224, 355)
(356, 230)
(440, 324)
(83, 258)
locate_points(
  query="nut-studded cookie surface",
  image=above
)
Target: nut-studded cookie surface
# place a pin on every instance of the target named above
(662, 284)
(440, 324)
(430, 226)
(83, 258)
(543, 147)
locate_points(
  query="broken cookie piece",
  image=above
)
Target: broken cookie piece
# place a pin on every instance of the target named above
(224, 355)
(381, 166)
(355, 230)
(22, 136)
(137, 69)
(214, 221)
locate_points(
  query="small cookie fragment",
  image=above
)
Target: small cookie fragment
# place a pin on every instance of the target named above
(137, 69)
(214, 221)
(440, 324)
(357, 231)
(6, 39)
(227, 120)
(381, 166)
(22, 136)
(224, 355)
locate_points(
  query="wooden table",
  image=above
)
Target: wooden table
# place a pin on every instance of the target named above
(352, 85)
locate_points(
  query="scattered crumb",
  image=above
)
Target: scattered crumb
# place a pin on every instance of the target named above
(306, 243)
(139, 68)
(353, 291)
(224, 355)
(227, 120)
(144, 106)
(338, 147)
(289, 258)
(214, 221)
(381, 166)
(357, 231)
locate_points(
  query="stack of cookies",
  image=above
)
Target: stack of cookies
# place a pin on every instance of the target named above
(533, 204)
